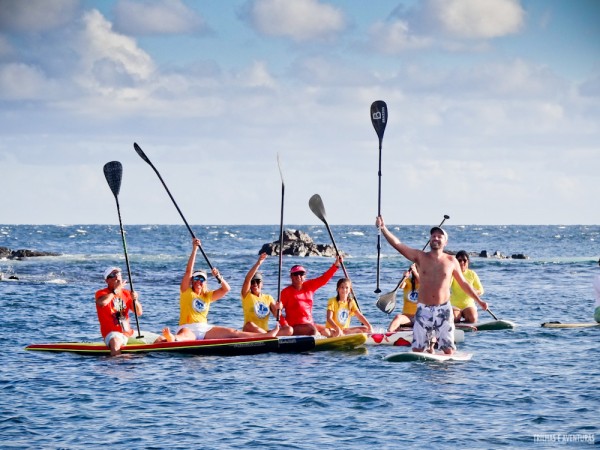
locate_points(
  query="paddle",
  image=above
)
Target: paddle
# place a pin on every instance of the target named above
(280, 238)
(145, 158)
(387, 302)
(492, 314)
(316, 206)
(379, 118)
(113, 172)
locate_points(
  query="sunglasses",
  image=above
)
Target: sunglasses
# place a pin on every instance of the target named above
(113, 275)
(298, 274)
(462, 260)
(200, 279)
(255, 281)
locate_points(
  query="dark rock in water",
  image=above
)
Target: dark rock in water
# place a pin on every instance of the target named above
(298, 243)
(483, 254)
(519, 256)
(23, 253)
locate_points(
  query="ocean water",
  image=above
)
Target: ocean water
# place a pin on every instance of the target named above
(524, 388)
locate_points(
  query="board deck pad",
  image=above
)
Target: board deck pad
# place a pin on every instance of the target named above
(424, 356)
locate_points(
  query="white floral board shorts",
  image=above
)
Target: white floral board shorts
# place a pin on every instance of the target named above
(434, 322)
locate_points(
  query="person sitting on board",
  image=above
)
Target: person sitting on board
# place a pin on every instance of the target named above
(340, 310)
(113, 304)
(297, 299)
(257, 306)
(597, 293)
(463, 306)
(433, 318)
(410, 289)
(194, 303)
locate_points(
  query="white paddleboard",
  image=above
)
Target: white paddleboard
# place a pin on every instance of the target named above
(424, 356)
(570, 325)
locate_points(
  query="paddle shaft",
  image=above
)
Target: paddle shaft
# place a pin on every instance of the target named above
(492, 314)
(145, 158)
(342, 262)
(377, 289)
(280, 240)
(137, 323)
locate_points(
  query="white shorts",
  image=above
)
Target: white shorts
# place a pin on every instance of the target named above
(116, 335)
(199, 329)
(433, 321)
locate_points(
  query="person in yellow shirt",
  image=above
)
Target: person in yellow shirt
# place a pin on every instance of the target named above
(463, 306)
(410, 288)
(340, 310)
(194, 303)
(257, 306)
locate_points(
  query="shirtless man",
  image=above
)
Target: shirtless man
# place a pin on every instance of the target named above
(436, 269)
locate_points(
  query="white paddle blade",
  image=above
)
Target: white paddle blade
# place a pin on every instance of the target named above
(387, 302)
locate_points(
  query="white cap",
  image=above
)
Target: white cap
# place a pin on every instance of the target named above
(110, 270)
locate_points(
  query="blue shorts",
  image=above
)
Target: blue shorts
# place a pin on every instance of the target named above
(433, 322)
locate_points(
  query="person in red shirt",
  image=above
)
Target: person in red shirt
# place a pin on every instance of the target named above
(113, 304)
(297, 299)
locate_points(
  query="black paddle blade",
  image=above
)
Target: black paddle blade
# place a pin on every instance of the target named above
(113, 171)
(379, 117)
(316, 206)
(387, 302)
(140, 152)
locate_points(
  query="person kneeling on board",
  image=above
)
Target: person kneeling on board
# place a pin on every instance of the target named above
(463, 306)
(194, 303)
(434, 317)
(410, 289)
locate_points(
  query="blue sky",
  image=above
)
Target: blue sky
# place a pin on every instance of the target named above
(494, 110)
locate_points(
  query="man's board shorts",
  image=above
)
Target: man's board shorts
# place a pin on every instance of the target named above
(199, 329)
(434, 321)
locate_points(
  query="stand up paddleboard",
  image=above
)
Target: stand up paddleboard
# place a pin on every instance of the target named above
(424, 356)
(487, 326)
(216, 347)
(570, 325)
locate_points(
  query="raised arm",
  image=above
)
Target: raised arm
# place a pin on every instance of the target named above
(250, 274)
(406, 251)
(464, 284)
(189, 269)
(224, 289)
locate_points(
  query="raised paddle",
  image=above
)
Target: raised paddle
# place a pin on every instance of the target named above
(387, 302)
(113, 172)
(145, 158)
(316, 206)
(379, 118)
(280, 238)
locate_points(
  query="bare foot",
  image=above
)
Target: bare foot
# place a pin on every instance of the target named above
(169, 337)
(273, 332)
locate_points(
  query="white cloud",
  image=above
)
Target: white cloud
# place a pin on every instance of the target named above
(157, 17)
(299, 20)
(34, 16)
(478, 19)
(257, 75)
(395, 37)
(19, 81)
(109, 59)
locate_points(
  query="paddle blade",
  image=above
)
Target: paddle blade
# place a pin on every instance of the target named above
(140, 152)
(379, 117)
(387, 302)
(316, 206)
(113, 172)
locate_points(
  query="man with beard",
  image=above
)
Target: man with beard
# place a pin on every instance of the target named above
(434, 317)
